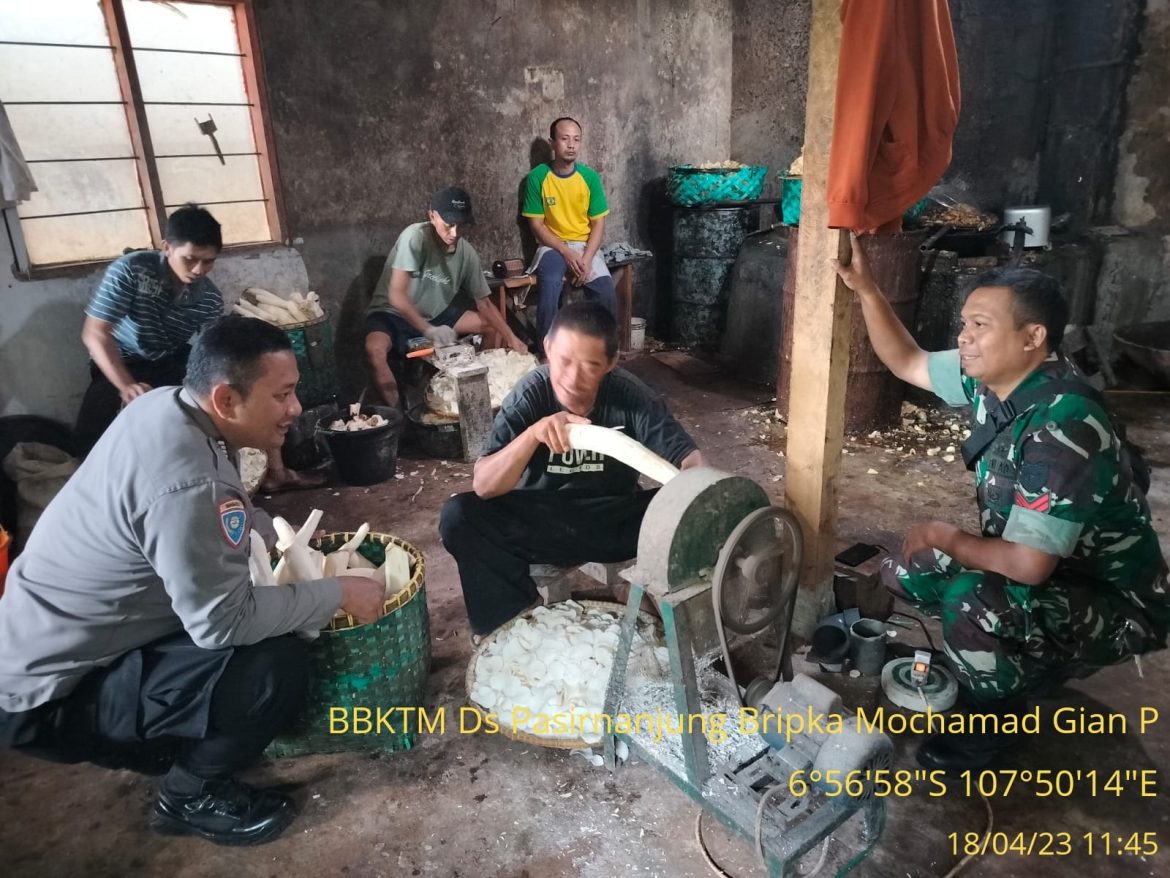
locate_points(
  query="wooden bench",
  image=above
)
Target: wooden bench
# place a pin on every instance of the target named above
(512, 295)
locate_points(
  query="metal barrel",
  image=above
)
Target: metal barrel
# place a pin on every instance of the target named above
(706, 243)
(873, 396)
(751, 340)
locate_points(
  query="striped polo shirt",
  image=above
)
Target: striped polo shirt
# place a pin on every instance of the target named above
(137, 296)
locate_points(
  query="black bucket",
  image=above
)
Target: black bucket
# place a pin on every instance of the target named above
(365, 457)
(435, 437)
(303, 448)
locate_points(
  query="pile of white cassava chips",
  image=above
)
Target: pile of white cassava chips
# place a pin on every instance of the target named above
(546, 673)
(505, 367)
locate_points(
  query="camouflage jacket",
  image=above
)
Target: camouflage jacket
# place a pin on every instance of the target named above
(1059, 480)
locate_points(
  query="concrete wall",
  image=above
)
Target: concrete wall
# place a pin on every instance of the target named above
(43, 365)
(769, 79)
(376, 103)
(1042, 82)
(1143, 172)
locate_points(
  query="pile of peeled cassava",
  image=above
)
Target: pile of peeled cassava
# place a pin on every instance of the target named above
(271, 308)
(299, 562)
(357, 422)
(505, 367)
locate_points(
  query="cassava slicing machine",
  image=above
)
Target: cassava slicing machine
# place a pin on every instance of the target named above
(713, 553)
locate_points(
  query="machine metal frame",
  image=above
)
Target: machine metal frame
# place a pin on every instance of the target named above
(674, 571)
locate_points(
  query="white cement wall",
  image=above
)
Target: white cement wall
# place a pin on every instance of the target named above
(44, 366)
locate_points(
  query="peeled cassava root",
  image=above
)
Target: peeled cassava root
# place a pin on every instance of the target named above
(615, 444)
(300, 563)
(271, 308)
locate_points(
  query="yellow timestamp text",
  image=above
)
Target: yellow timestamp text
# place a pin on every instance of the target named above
(1054, 844)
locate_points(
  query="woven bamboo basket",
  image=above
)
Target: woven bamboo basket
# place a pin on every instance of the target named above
(312, 343)
(648, 626)
(381, 665)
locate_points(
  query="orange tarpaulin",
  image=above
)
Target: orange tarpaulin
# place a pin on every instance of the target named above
(896, 111)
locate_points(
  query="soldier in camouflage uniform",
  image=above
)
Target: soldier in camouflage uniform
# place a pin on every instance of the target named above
(1057, 479)
(1066, 575)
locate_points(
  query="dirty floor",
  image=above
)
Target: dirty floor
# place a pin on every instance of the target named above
(476, 805)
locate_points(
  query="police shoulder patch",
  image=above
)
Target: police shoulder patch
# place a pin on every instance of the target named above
(233, 521)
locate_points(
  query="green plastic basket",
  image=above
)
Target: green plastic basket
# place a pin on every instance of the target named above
(790, 191)
(688, 186)
(381, 666)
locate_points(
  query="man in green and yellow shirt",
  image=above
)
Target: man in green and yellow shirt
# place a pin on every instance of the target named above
(565, 205)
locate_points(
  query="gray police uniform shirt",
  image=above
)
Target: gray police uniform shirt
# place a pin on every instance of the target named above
(147, 539)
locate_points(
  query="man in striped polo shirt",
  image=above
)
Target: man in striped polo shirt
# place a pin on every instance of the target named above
(566, 208)
(139, 321)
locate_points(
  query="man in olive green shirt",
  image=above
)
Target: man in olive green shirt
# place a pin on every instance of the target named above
(419, 291)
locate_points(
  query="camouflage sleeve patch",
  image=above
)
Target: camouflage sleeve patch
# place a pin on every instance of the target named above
(1042, 532)
(946, 379)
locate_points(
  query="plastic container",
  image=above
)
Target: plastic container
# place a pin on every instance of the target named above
(433, 436)
(867, 646)
(790, 191)
(688, 186)
(312, 344)
(706, 245)
(380, 666)
(790, 188)
(365, 457)
(637, 333)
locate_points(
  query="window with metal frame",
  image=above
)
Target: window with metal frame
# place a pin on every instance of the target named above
(127, 109)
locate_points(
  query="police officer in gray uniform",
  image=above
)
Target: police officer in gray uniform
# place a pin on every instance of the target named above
(130, 633)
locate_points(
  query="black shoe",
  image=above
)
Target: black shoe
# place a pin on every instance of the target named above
(225, 812)
(955, 752)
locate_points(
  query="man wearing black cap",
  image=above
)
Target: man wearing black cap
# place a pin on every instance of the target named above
(419, 291)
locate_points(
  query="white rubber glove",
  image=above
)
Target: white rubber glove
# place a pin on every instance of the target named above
(442, 336)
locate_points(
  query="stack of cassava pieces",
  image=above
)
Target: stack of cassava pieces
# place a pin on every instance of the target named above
(271, 308)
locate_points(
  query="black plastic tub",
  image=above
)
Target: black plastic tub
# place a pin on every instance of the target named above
(365, 457)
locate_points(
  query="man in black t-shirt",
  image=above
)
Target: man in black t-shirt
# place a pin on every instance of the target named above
(538, 501)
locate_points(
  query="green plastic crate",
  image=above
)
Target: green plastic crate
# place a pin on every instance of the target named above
(312, 345)
(688, 186)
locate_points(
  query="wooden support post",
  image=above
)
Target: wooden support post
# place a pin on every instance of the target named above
(820, 342)
(624, 289)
